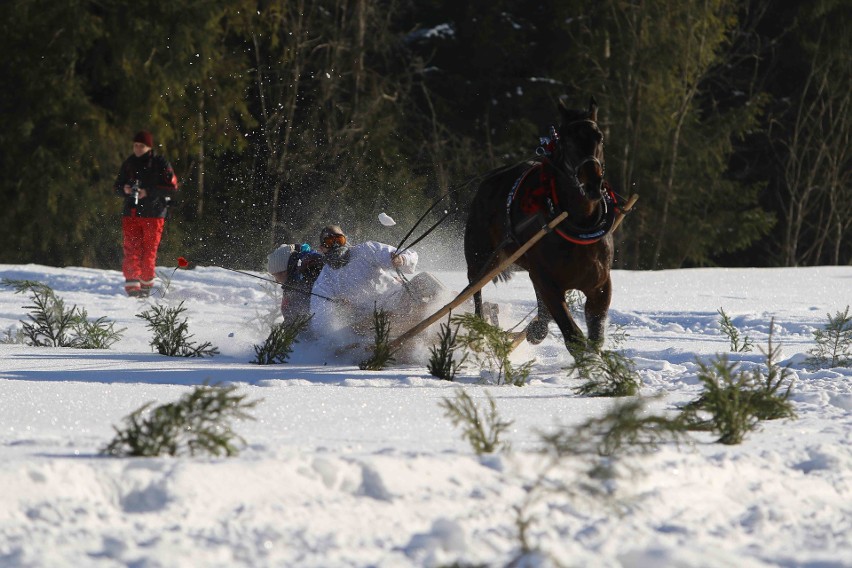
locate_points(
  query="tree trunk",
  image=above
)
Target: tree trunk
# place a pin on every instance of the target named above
(201, 127)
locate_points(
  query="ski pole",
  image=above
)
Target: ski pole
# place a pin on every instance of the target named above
(286, 286)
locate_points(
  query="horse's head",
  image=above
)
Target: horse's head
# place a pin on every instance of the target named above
(580, 151)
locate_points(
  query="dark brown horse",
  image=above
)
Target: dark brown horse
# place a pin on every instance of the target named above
(513, 204)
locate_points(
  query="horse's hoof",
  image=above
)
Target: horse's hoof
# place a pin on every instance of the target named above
(536, 331)
(582, 351)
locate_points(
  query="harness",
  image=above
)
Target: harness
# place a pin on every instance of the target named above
(541, 197)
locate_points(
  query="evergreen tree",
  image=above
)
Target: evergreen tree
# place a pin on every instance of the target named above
(285, 115)
(55, 143)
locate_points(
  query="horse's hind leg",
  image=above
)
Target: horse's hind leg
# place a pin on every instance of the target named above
(477, 303)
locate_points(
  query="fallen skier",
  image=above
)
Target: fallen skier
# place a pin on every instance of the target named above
(365, 277)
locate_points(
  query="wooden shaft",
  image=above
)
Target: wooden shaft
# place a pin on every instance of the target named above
(475, 287)
(518, 338)
(627, 207)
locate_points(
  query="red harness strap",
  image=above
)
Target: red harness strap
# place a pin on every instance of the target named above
(533, 198)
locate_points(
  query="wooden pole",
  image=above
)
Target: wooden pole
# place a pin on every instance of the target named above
(624, 210)
(478, 285)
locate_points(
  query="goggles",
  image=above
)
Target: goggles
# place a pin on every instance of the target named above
(333, 240)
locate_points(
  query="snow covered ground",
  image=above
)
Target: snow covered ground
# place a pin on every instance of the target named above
(354, 468)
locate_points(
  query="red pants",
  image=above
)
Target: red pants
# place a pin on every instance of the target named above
(141, 240)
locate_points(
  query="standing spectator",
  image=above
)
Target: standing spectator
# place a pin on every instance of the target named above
(295, 268)
(146, 182)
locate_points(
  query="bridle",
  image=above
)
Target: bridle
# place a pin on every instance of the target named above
(550, 146)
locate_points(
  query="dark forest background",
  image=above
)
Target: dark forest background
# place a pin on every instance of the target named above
(731, 119)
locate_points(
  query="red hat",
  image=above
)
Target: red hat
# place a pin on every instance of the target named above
(144, 137)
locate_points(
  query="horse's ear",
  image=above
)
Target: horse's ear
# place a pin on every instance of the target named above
(593, 109)
(564, 110)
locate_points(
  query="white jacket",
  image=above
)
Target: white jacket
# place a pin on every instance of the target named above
(367, 281)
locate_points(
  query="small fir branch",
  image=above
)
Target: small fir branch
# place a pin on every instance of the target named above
(442, 357)
(269, 313)
(52, 324)
(96, 334)
(382, 355)
(517, 376)
(770, 398)
(481, 431)
(279, 344)
(737, 400)
(607, 373)
(491, 347)
(833, 343)
(171, 335)
(165, 282)
(199, 423)
(597, 446)
(21, 286)
(726, 398)
(625, 429)
(738, 345)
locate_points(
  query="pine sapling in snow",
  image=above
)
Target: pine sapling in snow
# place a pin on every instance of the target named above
(199, 423)
(171, 335)
(94, 334)
(442, 357)
(491, 347)
(738, 400)
(575, 301)
(726, 398)
(581, 463)
(382, 353)
(607, 373)
(482, 431)
(12, 336)
(834, 343)
(279, 344)
(625, 429)
(51, 324)
(730, 331)
(772, 390)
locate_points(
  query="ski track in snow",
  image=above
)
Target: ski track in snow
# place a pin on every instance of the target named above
(345, 467)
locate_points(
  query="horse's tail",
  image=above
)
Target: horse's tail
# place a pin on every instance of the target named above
(505, 276)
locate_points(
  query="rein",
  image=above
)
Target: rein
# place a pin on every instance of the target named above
(447, 212)
(454, 189)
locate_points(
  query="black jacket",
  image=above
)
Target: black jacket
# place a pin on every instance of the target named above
(156, 176)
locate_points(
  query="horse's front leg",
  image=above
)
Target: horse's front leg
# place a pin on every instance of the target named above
(596, 310)
(554, 300)
(537, 329)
